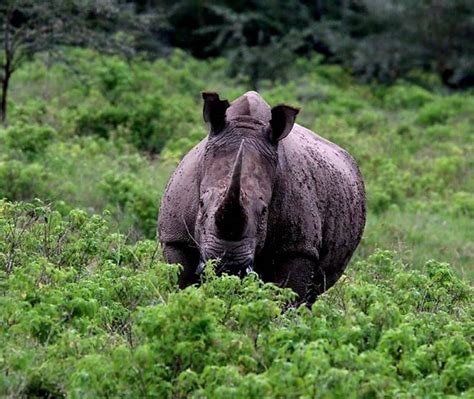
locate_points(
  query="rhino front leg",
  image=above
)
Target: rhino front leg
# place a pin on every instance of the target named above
(303, 276)
(186, 256)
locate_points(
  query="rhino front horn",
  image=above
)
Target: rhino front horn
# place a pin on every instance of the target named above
(231, 217)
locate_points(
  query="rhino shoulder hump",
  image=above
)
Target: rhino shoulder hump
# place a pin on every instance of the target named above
(250, 104)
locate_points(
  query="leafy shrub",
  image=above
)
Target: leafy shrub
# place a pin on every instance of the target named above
(145, 104)
(142, 125)
(147, 124)
(132, 199)
(433, 113)
(369, 121)
(442, 109)
(28, 139)
(93, 174)
(88, 315)
(406, 96)
(114, 78)
(389, 187)
(21, 181)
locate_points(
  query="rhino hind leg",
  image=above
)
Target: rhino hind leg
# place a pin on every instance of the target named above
(187, 257)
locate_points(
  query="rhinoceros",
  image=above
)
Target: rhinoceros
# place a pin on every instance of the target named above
(263, 194)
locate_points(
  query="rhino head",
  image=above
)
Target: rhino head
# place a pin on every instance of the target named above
(237, 177)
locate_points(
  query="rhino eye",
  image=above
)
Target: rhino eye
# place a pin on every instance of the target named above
(203, 199)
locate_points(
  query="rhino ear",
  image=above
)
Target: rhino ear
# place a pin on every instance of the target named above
(214, 111)
(283, 119)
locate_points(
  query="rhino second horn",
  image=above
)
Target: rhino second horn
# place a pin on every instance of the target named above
(231, 217)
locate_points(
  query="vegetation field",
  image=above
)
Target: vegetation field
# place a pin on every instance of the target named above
(89, 309)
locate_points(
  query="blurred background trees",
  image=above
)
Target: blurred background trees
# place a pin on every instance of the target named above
(377, 40)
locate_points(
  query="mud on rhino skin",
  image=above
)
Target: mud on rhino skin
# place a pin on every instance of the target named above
(262, 193)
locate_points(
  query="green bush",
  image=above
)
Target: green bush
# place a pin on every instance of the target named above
(85, 314)
(28, 140)
(93, 174)
(142, 124)
(442, 109)
(434, 113)
(147, 104)
(21, 181)
(389, 188)
(406, 96)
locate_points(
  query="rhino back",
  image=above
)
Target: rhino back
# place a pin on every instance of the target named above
(179, 205)
(318, 204)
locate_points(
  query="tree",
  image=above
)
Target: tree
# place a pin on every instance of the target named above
(387, 39)
(259, 45)
(28, 27)
(377, 39)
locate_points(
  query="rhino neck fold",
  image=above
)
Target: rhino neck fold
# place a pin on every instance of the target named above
(231, 217)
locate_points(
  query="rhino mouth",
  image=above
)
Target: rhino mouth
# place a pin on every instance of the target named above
(240, 270)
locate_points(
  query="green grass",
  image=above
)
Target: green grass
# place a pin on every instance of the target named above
(421, 236)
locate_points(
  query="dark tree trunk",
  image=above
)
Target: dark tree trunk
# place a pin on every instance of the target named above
(3, 104)
(7, 70)
(255, 77)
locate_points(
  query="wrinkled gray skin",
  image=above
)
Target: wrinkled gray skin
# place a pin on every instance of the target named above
(264, 194)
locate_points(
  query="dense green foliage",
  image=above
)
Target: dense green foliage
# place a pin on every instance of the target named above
(89, 309)
(86, 315)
